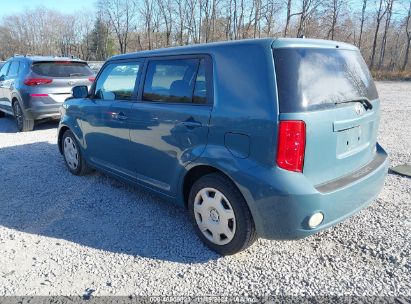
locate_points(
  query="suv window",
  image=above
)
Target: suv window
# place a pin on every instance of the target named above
(62, 69)
(171, 80)
(117, 81)
(14, 69)
(3, 71)
(308, 79)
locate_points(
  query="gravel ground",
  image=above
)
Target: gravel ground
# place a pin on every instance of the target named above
(67, 235)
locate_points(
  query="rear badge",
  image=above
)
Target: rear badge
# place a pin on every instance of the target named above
(359, 109)
(71, 83)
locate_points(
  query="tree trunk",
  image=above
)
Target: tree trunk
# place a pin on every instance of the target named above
(380, 15)
(287, 23)
(408, 33)
(407, 53)
(386, 28)
(364, 7)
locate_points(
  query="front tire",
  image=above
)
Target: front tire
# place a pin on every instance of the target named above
(23, 124)
(2, 114)
(72, 155)
(220, 215)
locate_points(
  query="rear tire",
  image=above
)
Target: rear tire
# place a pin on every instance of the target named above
(73, 155)
(23, 124)
(2, 114)
(220, 215)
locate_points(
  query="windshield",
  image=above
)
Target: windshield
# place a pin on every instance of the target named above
(309, 79)
(62, 69)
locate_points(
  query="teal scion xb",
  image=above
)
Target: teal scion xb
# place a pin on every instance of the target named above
(270, 138)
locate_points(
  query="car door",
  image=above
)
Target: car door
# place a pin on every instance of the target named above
(169, 122)
(9, 84)
(105, 122)
(3, 75)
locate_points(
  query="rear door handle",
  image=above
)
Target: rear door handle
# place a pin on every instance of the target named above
(121, 116)
(191, 124)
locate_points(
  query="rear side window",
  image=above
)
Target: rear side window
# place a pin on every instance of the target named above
(309, 79)
(14, 69)
(62, 69)
(175, 81)
(117, 81)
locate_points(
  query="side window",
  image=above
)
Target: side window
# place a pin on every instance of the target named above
(170, 80)
(200, 89)
(3, 71)
(117, 81)
(22, 67)
(14, 69)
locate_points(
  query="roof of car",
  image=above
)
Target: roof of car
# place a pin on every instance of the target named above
(265, 42)
(36, 58)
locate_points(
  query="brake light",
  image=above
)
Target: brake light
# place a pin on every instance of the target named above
(37, 81)
(91, 79)
(39, 95)
(291, 145)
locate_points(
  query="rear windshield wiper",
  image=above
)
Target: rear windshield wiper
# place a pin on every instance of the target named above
(363, 100)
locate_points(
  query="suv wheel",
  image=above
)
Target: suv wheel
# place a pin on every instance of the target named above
(23, 124)
(72, 155)
(2, 114)
(220, 215)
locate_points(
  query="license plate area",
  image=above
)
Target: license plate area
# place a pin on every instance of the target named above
(353, 140)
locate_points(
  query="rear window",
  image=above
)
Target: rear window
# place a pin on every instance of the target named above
(61, 69)
(310, 79)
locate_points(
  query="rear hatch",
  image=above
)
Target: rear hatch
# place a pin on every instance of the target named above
(57, 78)
(332, 91)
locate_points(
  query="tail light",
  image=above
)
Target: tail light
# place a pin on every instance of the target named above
(291, 145)
(39, 95)
(37, 81)
(91, 79)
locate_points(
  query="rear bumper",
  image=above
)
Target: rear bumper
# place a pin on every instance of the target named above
(40, 110)
(282, 205)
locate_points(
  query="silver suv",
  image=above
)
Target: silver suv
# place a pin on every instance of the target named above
(34, 87)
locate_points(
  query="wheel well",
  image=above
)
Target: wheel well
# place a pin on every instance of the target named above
(13, 101)
(61, 132)
(193, 175)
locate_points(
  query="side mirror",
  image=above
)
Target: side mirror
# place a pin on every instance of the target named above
(79, 92)
(2, 77)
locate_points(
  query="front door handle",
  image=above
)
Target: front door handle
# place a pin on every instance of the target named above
(121, 116)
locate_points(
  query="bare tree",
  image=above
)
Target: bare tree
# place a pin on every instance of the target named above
(381, 11)
(386, 28)
(334, 9)
(307, 9)
(124, 25)
(364, 7)
(408, 34)
(121, 14)
(166, 10)
(147, 12)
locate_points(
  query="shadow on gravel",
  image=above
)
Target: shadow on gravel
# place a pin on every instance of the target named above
(39, 196)
(8, 125)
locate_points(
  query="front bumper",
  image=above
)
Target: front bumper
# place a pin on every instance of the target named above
(283, 203)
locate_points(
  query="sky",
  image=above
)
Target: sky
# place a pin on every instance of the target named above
(8, 7)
